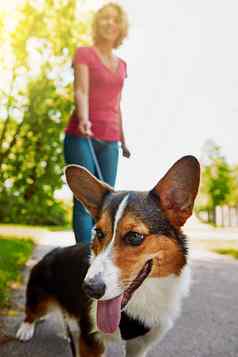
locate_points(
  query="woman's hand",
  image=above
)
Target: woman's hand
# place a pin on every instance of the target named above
(85, 127)
(125, 151)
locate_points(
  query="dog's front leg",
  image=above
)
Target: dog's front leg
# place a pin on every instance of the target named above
(90, 345)
(139, 347)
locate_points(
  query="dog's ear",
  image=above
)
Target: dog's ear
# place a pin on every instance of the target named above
(177, 190)
(86, 188)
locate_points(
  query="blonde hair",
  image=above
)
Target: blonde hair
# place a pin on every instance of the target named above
(123, 23)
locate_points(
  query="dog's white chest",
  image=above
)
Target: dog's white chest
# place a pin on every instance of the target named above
(159, 299)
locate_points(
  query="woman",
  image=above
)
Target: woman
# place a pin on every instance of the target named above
(98, 82)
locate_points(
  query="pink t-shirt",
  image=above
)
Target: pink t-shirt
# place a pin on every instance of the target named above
(105, 87)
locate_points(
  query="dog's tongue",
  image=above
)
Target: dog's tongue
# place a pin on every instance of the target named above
(109, 314)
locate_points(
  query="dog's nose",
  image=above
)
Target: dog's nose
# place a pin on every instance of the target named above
(94, 287)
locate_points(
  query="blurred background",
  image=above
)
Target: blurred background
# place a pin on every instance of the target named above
(180, 98)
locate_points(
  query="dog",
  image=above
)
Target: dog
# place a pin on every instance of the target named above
(130, 281)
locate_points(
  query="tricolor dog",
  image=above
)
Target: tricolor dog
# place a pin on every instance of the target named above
(131, 281)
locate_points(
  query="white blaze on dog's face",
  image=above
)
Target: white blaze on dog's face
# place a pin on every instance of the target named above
(104, 237)
(134, 228)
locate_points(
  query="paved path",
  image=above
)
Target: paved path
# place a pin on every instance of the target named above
(207, 327)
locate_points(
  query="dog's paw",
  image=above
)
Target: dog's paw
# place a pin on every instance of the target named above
(25, 331)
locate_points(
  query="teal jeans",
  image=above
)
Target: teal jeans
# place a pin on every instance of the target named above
(77, 151)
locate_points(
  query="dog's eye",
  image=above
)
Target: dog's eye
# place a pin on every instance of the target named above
(99, 234)
(133, 238)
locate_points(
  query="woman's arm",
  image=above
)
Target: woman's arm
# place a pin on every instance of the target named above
(81, 95)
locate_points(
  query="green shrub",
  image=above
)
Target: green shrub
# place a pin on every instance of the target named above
(13, 255)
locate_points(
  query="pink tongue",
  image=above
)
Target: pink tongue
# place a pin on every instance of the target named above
(109, 314)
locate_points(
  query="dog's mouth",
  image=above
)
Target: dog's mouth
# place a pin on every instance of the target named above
(109, 311)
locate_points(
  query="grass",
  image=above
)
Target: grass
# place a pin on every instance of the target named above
(228, 251)
(14, 252)
(66, 227)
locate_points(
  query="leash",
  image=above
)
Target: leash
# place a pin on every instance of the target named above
(71, 341)
(92, 151)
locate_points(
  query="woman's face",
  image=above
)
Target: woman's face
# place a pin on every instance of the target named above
(108, 25)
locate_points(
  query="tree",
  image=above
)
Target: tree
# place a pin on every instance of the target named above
(37, 100)
(216, 182)
(233, 195)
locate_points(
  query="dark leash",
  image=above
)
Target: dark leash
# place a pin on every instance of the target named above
(71, 340)
(95, 160)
